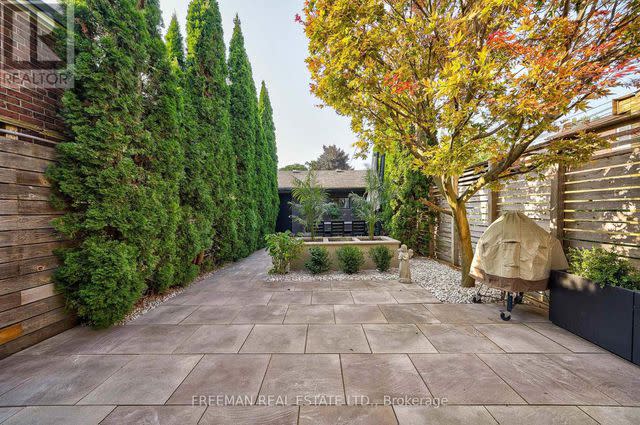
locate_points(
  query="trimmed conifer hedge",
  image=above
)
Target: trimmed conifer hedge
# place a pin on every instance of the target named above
(149, 176)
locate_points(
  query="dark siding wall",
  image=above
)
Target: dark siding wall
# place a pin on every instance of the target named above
(284, 221)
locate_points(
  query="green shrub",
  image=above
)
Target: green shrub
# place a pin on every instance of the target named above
(318, 260)
(381, 256)
(350, 259)
(283, 247)
(604, 268)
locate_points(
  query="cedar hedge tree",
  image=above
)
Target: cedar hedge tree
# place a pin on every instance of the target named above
(270, 159)
(145, 175)
(245, 134)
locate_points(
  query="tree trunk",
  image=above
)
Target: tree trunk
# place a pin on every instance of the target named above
(464, 234)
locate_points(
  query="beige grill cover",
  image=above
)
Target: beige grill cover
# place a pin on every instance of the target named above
(515, 254)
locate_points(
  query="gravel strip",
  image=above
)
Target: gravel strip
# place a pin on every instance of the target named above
(151, 301)
(442, 280)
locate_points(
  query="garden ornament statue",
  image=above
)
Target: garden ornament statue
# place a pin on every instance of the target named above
(404, 255)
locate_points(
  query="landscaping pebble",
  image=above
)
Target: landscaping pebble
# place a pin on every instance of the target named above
(442, 280)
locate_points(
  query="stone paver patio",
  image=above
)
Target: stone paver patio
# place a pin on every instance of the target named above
(318, 353)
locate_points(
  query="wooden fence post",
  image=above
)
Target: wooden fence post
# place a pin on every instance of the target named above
(492, 205)
(556, 225)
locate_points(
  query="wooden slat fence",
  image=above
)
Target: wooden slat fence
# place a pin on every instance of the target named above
(30, 308)
(595, 204)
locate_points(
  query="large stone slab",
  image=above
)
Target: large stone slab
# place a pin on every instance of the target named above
(610, 374)
(304, 379)
(215, 339)
(463, 379)
(347, 415)
(146, 380)
(444, 415)
(381, 378)
(611, 415)
(160, 415)
(397, 338)
(540, 380)
(220, 375)
(534, 415)
(517, 338)
(251, 415)
(164, 315)
(60, 415)
(359, 314)
(373, 297)
(155, 339)
(309, 314)
(272, 313)
(332, 297)
(450, 338)
(336, 339)
(213, 315)
(64, 382)
(407, 313)
(276, 339)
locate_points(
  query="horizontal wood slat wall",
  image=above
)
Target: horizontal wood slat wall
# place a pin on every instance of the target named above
(594, 205)
(30, 308)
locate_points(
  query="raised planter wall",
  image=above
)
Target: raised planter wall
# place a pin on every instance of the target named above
(362, 242)
(604, 316)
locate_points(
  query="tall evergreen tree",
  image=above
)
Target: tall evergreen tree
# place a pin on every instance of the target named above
(270, 159)
(246, 135)
(175, 42)
(104, 173)
(164, 153)
(210, 191)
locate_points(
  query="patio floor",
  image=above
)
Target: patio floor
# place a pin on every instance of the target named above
(234, 349)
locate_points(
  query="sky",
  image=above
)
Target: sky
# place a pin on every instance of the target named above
(277, 48)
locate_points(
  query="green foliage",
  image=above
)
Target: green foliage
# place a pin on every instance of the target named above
(604, 268)
(175, 42)
(333, 211)
(148, 174)
(350, 259)
(116, 173)
(210, 189)
(331, 158)
(368, 206)
(318, 261)
(246, 136)
(311, 202)
(283, 248)
(294, 167)
(101, 280)
(269, 158)
(405, 218)
(381, 256)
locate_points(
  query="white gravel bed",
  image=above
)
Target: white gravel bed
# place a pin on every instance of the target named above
(305, 276)
(443, 281)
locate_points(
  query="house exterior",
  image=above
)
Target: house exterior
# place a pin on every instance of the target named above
(338, 184)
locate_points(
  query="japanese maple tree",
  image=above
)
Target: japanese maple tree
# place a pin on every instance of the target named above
(456, 83)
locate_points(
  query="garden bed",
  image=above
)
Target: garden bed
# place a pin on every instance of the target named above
(334, 243)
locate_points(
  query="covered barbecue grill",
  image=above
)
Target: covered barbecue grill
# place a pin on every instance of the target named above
(516, 255)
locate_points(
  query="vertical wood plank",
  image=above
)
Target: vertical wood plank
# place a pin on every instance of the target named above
(556, 226)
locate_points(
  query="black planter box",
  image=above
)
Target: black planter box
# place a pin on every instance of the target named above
(604, 316)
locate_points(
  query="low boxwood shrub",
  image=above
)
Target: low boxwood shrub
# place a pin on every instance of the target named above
(604, 268)
(318, 261)
(283, 248)
(350, 259)
(381, 256)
